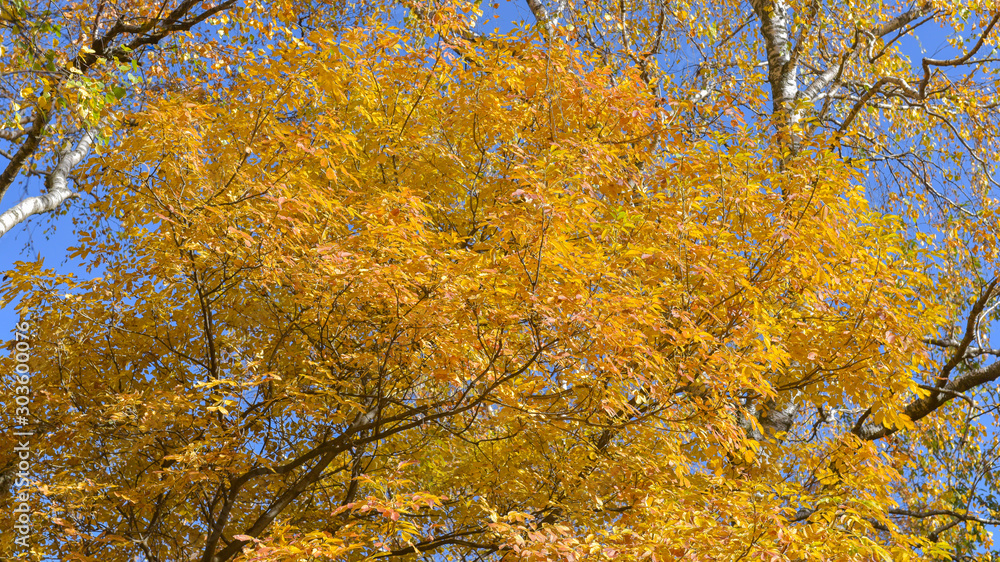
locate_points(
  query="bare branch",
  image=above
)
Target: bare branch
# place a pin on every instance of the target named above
(970, 352)
(927, 63)
(902, 20)
(27, 149)
(970, 333)
(863, 37)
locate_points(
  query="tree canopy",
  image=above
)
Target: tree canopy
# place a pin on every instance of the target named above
(619, 281)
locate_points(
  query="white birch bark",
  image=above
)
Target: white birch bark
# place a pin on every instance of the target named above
(57, 183)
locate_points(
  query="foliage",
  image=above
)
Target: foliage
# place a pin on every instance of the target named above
(399, 287)
(68, 68)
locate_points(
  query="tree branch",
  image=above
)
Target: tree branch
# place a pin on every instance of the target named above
(945, 388)
(541, 16)
(927, 63)
(57, 183)
(28, 147)
(150, 33)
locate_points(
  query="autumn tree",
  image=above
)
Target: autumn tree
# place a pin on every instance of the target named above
(677, 281)
(67, 67)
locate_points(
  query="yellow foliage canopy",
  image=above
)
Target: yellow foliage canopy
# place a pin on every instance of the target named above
(408, 292)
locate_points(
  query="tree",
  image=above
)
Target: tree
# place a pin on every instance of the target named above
(66, 65)
(406, 288)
